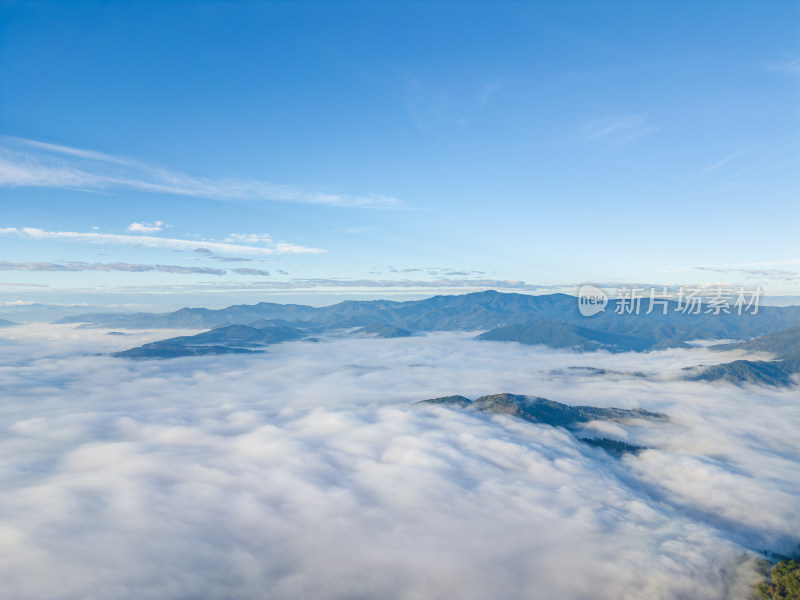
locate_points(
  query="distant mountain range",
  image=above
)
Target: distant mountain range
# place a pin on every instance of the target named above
(480, 311)
(470, 312)
(36, 312)
(549, 412)
(784, 345)
(552, 320)
(4, 323)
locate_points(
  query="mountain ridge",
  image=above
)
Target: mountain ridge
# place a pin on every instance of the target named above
(477, 311)
(783, 345)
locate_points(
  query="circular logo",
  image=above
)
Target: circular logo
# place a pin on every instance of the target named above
(591, 300)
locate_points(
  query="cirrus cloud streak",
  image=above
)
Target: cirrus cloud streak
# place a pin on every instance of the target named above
(149, 241)
(125, 267)
(31, 163)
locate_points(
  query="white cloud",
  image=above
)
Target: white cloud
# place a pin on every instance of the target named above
(147, 227)
(351, 286)
(156, 242)
(768, 263)
(249, 238)
(248, 271)
(774, 274)
(724, 161)
(307, 472)
(26, 163)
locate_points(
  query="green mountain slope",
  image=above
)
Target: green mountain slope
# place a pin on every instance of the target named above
(768, 372)
(784, 345)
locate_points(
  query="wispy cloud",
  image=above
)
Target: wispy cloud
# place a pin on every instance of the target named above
(208, 253)
(158, 242)
(356, 230)
(765, 263)
(726, 160)
(443, 283)
(431, 107)
(247, 271)
(30, 163)
(438, 271)
(776, 274)
(344, 286)
(249, 238)
(787, 66)
(126, 267)
(620, 130)
(76, 152)
(147, 227)
(24, 285)
(487, 91)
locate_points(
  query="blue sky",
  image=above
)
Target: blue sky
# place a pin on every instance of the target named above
(210, 153)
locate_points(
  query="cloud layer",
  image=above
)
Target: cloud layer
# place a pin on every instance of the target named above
(776, 274)
(307, 472)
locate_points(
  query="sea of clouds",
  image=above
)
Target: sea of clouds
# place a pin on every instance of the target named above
(308, 472)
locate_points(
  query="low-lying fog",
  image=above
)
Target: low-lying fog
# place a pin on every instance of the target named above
(307, 472)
